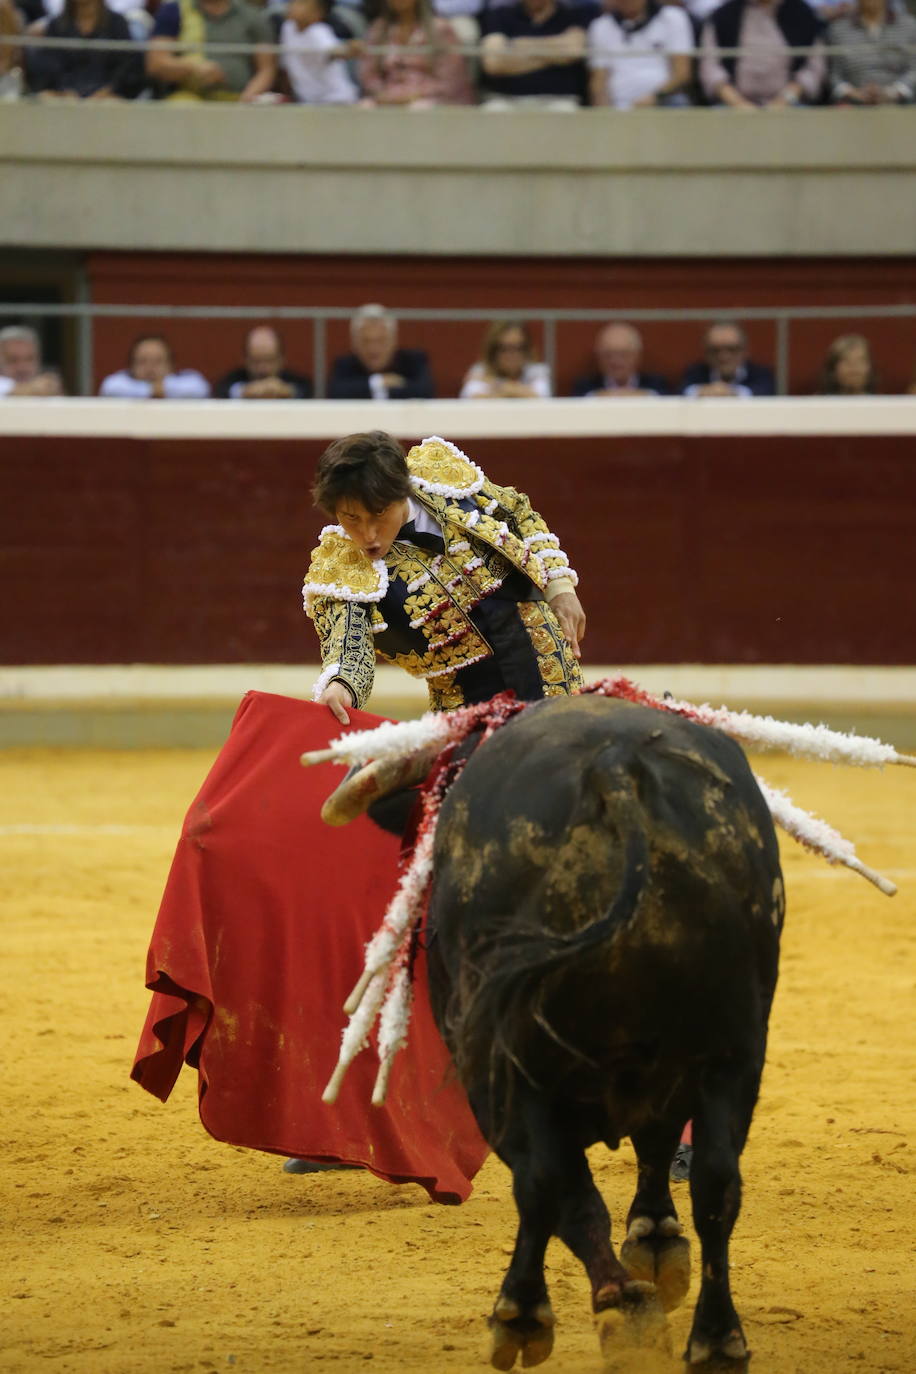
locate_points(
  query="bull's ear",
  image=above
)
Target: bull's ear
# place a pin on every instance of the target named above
(439, 467)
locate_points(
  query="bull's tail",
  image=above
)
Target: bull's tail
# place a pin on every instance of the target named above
(500, 1004)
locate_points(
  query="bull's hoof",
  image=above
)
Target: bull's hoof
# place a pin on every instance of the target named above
(730, 1353)
(660, 1255)
(631, 1317)
(512, 1335)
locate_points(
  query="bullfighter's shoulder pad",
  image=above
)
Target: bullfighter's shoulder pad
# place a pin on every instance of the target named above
(440, 468)
(339, 569)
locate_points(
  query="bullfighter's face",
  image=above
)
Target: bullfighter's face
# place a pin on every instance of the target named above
(373, 532)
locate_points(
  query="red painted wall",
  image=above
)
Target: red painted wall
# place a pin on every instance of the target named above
(703, 550)
(500, 285)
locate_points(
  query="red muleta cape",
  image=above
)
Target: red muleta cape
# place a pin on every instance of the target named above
(260, 938)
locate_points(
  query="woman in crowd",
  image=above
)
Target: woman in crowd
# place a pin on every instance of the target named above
(425, 68)
(766, 75)
(87, 72)
(10, 57)
(848, 368)
(507, 365)
(876, 69)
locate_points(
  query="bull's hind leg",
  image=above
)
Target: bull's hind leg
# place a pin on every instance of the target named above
(628, 1311)
(522, 1322)
(720, 1127)
(655, 1249)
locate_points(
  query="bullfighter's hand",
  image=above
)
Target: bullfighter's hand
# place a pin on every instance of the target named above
(568, 610)
(336, 697)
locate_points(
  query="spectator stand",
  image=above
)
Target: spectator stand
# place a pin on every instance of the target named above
(770, 331)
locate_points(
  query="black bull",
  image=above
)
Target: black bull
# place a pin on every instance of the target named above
(604, 935)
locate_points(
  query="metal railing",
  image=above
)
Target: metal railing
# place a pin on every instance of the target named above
(782, 317)
(478, 49)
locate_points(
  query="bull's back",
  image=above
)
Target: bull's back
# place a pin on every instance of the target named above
(576, 799)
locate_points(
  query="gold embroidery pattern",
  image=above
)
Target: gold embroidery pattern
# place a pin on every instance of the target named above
(558, 666)
(434, 462)
(343, 631)
(515, 507)
(439, 606)
(339, 566)
(444, 693)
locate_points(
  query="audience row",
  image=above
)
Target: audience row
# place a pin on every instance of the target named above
(556, 53)
(378, 368)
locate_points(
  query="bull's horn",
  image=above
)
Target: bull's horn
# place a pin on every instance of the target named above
(318, 756)
(359, 790)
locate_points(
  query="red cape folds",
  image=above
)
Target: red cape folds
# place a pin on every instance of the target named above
(259, 940)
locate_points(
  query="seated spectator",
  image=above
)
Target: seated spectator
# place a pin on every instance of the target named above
(618, 353)
(87, 73)
(264, 375)
(314, 56)
(21, 370)
(11, 83)
(534, 53)
(425, 67)
(767, 76)
(377, 368)
(193, 75)
(848, 368)
(699, 11)
(507, 365)
(139, 19)
(150, 374)
(877, 70)
(664, 36)
(727, 370)
(463, 15)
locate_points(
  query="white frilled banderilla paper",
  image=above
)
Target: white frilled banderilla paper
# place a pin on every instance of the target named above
(384, 990)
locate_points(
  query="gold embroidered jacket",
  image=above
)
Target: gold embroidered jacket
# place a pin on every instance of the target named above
(413, 607)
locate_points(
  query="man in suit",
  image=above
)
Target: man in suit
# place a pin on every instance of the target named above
(727, 370)
(618, 353)
(377, 369)
(264, 375)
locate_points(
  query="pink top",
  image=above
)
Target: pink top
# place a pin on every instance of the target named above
(763, 73)
(440, 76)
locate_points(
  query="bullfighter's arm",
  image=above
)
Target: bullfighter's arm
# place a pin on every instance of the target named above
(347, 649)
(530, 526)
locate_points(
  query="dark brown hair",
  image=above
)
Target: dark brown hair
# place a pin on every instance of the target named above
(493, 338)
(846, 343)
(369, 468)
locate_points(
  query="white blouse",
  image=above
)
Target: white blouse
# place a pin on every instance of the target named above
(477, 383)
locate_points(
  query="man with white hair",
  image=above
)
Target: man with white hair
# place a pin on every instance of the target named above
(618, 354)
(21, 371)
(377, 369)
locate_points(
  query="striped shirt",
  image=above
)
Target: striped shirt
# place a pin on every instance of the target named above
(878, 57)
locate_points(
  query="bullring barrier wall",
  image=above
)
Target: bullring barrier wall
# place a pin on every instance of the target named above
(718, 532)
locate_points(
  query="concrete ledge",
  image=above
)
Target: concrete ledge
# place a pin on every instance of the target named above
(642, 183)
(311, 138)
(151, 685)
(143, 706)
(561, 417)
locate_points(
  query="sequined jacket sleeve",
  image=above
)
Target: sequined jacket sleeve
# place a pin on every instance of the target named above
(347, 647)
(532, 528)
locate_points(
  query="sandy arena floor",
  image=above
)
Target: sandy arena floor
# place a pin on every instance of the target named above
(135, 1244)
